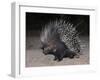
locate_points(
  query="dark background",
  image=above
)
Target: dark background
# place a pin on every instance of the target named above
(35, 21)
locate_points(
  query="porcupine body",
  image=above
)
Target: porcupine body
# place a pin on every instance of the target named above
(60, 39)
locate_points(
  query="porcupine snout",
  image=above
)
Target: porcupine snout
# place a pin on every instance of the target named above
(48, 49)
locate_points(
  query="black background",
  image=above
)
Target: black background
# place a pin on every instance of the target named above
(35, 21)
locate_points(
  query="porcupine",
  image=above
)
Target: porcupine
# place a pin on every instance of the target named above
(60, 38)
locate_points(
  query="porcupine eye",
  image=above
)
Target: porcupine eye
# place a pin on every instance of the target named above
(46, 50)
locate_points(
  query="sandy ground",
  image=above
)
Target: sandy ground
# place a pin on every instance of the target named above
(35, 57)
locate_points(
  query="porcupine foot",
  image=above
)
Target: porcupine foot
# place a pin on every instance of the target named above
(60, 58)
(55, 58)
(71, 56)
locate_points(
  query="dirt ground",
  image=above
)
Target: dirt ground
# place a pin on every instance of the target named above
(35, 57)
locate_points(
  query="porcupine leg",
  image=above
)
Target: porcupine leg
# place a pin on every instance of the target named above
(55, 58)
(59, 58)
(69, 54)
(72, 56)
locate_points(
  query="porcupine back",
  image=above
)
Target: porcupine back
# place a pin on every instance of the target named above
(69, 35)
(65, 31)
